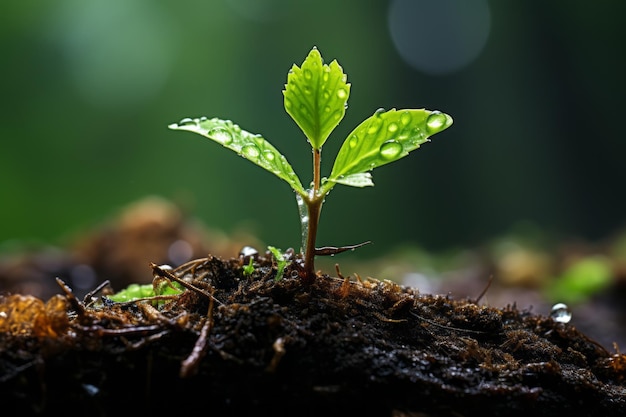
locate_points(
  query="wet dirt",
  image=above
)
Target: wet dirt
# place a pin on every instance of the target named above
(237, 341)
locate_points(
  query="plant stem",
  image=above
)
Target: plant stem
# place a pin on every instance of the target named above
(314, 205)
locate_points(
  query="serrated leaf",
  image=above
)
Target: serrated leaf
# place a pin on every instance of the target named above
(250, 146)
(315, 97)
(383, 138)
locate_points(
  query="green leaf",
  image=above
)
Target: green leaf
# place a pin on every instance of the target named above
(383, 138)
(315, 97)
(250, 146)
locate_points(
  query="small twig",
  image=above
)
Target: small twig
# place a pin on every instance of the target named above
(156, 270)
(484, 290)
(96, 290)
(190, 365)
(443, 326)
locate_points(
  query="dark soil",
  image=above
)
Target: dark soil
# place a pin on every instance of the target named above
(238, 344)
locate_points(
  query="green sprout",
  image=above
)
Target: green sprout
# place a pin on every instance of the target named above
(316, 96)
(281, 262)
(249, 268)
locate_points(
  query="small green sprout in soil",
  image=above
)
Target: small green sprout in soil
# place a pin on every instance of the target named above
(316, 96)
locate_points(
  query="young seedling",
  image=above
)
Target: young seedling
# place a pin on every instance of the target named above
(316, 96)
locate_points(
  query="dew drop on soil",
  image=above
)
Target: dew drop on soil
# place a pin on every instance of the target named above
(248, 251)
(90, 389)
(560, 312)
(390, 149)
(220, 135)
(436, 121)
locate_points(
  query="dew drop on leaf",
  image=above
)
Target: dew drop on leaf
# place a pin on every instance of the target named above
(220, 135)
(187, 121)
(342, 93)
(561, 313)
(436, 121)
(392, 127)
(287, 103)
(269, 155)
(307, 74)
(374, 126)
(390, 149)
(250, 151)
(307, 90)
(405, 119)
(354, 140)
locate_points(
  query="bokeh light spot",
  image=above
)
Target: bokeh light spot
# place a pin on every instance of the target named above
(439, 37)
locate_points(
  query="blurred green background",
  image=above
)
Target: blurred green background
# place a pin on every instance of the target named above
(537, 91)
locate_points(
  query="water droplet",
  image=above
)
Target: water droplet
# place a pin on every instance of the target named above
(269, 155)
(374, 126)
(307, 90)
(327, 109)
(187, 121)
(91, 390)
(326, 94)
(250, 151)
(354, 140)
(304, 110)
(560, 312)
(307, 74)
(436, 121)
(326, 74)
(390, 149)
(247, 252)
(287, 103)
(220, 135)
(392, 127)
(337, 115)
(342, 94)
(405, 119)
